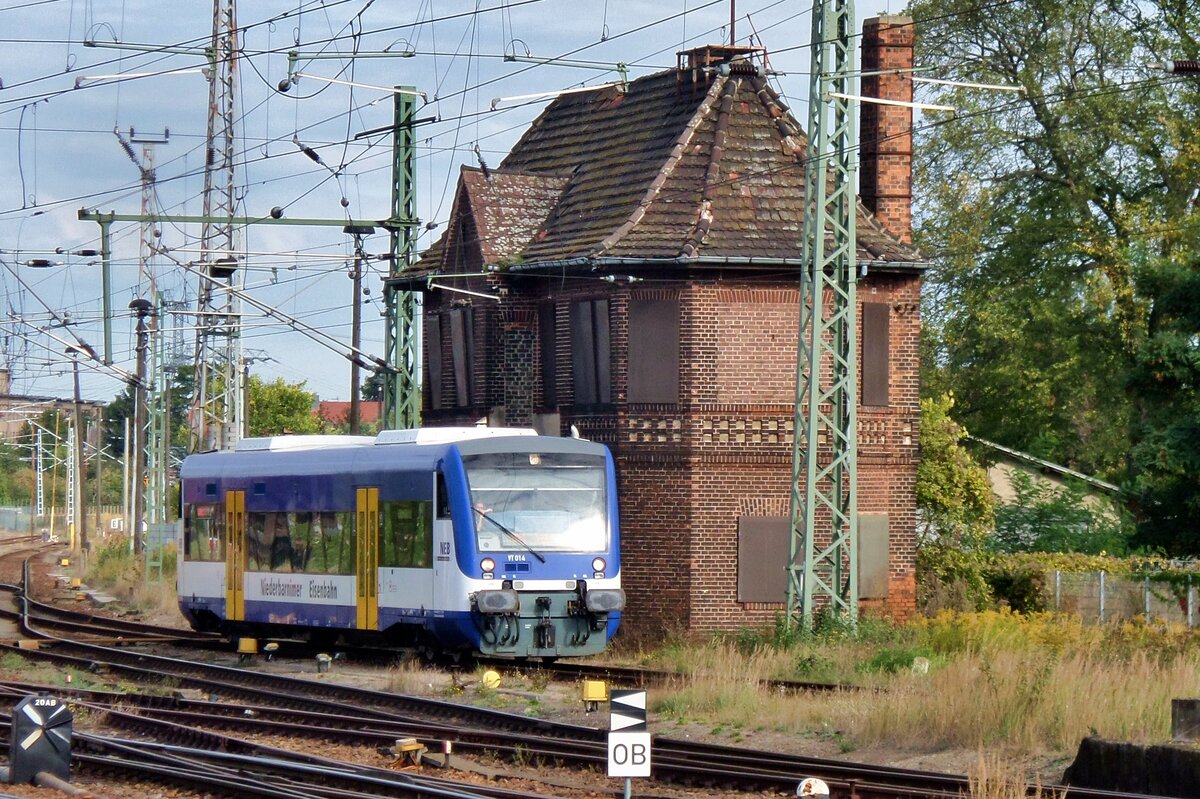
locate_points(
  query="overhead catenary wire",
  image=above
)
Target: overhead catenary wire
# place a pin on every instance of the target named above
(367, 160)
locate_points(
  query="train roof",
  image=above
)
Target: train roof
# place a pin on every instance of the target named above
(421, 449)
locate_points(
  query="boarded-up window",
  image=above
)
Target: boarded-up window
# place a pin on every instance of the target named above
(763, 543)
(872, 556)
(462, 342)
(654, 351)
(590, 352)
(876, 355)
(433, 362)
(548, 341)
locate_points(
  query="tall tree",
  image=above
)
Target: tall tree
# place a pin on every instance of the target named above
(280, 407)
(1166, 428)
(1039, 210)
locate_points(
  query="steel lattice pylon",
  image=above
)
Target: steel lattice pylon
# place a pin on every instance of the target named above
(822, 567)
(402, 344)
(218, 408)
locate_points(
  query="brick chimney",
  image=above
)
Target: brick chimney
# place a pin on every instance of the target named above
(885, 131)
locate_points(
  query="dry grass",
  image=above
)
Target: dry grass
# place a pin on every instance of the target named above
(114, 569)
(1027, 700)
(994, 777)
(998, 682)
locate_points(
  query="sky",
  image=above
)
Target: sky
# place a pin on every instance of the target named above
(61, 101)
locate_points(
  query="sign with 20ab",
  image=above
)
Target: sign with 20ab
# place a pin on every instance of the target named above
(628, 739)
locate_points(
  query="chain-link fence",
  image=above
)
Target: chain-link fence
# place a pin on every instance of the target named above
(1101, 597)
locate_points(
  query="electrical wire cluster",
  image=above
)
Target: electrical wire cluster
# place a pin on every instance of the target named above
(314, 114)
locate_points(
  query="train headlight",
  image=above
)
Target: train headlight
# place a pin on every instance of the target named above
(605, 600)
(497, 601)
(488, 565)
(598, 564)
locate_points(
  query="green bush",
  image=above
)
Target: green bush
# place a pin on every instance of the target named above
(951, 578)
(893, 660)
(1019, 584)
(1045, 518)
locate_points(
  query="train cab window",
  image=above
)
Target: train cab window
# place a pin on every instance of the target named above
(542, 501)
(203, 533)
(406, 534)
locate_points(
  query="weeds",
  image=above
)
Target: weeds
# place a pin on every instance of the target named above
(1035, 682)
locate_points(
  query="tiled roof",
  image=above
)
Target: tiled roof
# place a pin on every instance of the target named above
(337, 412)
(509, 207)
(664, 170)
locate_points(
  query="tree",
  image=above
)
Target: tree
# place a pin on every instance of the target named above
(1046, 518)
(953, 493)
(954, 500)
(182, 388)
(372, 387)
(1039, 210)
(280, 407)
(1166, 430)
(16, 476)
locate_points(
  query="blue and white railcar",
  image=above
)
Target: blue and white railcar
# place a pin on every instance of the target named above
(498, 541)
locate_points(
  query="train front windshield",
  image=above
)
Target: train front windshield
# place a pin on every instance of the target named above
(545, 502)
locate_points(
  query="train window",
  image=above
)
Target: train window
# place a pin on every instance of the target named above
(443, 498)
(311, 542)
(406, 534)
(203, 533)
(268, 542)
(543, 501)
(330, 544)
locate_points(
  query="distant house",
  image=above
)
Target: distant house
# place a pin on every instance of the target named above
(1003, 462)
(337, 414)
(632, 268)
(16, 410)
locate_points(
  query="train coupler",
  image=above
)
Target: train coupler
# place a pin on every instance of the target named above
(543, 635)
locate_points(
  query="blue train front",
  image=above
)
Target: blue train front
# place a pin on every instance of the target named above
(496, 541)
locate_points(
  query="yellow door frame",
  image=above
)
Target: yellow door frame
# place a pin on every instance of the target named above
(366, 530)
(235, 560)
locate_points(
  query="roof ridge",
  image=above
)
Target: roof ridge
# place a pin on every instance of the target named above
(704, 217)
(652, 191)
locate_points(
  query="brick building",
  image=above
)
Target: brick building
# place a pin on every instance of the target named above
(632, 269)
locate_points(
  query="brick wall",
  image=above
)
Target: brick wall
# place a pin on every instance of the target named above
(687, 471)
(885, 131)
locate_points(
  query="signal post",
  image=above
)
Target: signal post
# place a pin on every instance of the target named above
(628, 737)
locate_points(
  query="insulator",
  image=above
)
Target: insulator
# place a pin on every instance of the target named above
(1185, 67)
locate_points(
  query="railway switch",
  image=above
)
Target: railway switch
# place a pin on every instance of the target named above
(41, 739)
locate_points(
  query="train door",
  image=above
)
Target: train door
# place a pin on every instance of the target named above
(445, 572)
(235, 555)
(366, 571)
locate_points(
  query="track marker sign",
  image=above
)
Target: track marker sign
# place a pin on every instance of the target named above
(628, 737)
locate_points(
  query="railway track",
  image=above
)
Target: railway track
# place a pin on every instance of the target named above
(636, 677)
(252, 702)
(242, 701)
